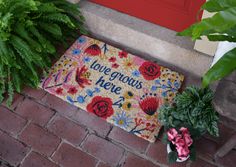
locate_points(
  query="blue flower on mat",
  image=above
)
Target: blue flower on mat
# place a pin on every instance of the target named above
(89, 92)
(76, 51)
(80, 99)
(136, 73)
(122, 119)
(169, 82)
(97, 90)
(157, 82)
(81, 40)
(70, 100)
(86, 59)
(177, 85)
(154, 88)
(164, 94)
(163, 86)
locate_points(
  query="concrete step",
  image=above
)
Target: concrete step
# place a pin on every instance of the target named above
(144, 38)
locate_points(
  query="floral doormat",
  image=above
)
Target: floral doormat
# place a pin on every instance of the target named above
(121, 88)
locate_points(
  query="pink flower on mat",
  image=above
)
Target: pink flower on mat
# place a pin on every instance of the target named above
(59, 91)
(123, 54)
(115, 65)
(72, 90)
(112, 59)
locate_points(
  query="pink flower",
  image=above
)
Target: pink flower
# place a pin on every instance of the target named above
(183, 152)
(115, 65)
(112, 59)
(123, 54)
(179, 141)
(72, 90)
(172, 133)
(188, 140)
(59, 91)
(186, 136)
(184, 130)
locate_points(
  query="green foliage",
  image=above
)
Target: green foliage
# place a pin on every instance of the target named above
(192, 109)
(29, 31)
(220, 27)
(172, 157)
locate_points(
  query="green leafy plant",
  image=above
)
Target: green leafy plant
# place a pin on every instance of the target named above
(220, 27)
(29, 32)
(192, 109)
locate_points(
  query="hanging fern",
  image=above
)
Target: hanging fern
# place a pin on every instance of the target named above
(29, 31)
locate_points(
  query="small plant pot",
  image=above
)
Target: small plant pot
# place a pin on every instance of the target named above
(169, 149)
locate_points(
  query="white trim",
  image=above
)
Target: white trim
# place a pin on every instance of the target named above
(204, 45)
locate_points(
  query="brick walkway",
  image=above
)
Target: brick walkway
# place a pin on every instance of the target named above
(40, 130)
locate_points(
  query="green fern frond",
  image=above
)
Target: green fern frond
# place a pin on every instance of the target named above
(58, 18)
(29, 30)
(54, 29)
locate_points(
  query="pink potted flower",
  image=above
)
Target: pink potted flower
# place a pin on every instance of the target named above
(179, 145)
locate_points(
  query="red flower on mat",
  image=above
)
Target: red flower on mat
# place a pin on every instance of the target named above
(72, 90)
(149, 105)
(112, 59)
(59, 91)
(115, 65)
(150, 71)
(80, 77)
(101, 106)
(123, 54)
(93, 50)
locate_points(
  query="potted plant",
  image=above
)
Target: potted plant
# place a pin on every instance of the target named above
(180, 145)
(220, 27)
(29, 32)
(192, 110)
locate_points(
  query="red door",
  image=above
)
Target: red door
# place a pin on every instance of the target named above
(173, 14)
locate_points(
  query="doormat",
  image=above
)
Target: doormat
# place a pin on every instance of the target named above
(121, 88)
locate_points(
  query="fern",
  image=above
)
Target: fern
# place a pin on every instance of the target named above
(29, 31)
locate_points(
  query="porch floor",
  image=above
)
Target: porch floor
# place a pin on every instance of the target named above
(40, 130)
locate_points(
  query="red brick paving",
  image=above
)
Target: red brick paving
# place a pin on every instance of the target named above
(16, 100)
(69, 156)
(39, 139)
(130, 140)
(101, 164)
(227, 160)
(135, 161)
(34, 93)
(10, 122)
(35, 112)
(59, 105)
(33, 135)
(12, 150)
(92, 122)
(157, 152)
(206, 147)
(201, 163)
(68, 130)
(103, 149)
(37, 160)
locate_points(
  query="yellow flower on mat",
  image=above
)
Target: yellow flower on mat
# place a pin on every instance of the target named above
(127, 106)
(128, 95)
(128, 64)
